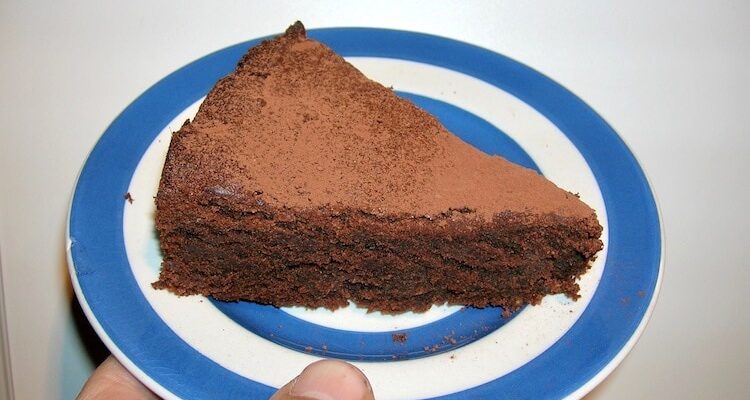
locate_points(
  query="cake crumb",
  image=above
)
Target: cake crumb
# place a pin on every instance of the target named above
(128, 197)
(308, 349)
(431, 349)
(399, 337)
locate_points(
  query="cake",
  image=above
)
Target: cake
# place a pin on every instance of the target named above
(301, 182)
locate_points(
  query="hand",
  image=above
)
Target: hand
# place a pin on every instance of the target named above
(323, 380)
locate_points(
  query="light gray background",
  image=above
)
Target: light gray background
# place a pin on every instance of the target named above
(671, 77)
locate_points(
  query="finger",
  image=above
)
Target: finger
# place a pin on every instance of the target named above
(327, 380)
(111, 381)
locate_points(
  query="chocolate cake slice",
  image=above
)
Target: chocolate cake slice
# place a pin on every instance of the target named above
(302, 182)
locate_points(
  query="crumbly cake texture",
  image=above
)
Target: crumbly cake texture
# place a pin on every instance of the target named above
(302, 182)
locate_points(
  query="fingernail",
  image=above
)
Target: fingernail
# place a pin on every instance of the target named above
(331, 380)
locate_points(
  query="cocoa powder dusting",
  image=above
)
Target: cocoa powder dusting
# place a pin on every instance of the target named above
(298, 122)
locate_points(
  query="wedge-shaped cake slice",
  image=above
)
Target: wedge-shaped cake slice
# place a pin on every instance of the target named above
(302, 182)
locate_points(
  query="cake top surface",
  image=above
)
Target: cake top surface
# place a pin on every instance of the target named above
(297, 126)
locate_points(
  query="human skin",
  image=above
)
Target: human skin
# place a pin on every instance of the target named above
(321, 380)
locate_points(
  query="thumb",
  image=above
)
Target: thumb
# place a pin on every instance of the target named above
(111, 381)
(327, 380)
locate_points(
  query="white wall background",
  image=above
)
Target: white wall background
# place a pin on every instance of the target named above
(671, 78)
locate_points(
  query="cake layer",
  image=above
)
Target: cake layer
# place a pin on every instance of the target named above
(323, 258)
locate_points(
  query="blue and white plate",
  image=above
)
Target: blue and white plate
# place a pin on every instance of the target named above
(197, 348)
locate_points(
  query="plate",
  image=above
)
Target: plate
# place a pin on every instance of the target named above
(195, 347)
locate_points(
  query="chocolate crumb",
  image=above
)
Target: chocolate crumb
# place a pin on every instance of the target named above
(449, 339)
(128, 197)
(431, 349)
(399, 337)
(297, 29)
